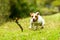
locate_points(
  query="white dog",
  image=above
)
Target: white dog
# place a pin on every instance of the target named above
(36, 20)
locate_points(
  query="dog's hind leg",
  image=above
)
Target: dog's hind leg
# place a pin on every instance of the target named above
(42, 25)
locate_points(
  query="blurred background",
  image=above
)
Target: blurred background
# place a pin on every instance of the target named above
(22, 8)
(12, 9)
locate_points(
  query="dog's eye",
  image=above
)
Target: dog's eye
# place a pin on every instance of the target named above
(32, 16)
(35, 16)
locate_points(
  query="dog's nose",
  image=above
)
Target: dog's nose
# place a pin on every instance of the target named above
(34, 20)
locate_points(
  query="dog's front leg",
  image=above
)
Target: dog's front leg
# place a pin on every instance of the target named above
(35, 27)
(31, 24)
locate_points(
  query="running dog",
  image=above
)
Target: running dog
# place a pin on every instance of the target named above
(36, 20)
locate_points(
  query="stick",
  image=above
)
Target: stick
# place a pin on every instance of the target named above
(19, 25)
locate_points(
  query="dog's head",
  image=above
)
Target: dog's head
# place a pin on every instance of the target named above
(34, 16)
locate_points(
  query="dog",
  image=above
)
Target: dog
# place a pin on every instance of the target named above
(36, 20)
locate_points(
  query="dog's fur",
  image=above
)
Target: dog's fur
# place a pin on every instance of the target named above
(36, 20)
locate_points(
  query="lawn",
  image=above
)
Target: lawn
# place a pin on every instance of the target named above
(51, 31)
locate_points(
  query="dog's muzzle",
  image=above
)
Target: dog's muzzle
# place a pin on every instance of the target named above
(34, 20)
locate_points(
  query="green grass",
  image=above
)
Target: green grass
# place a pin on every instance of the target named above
(51, 31)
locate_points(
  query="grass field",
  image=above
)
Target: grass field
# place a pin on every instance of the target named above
(51, 31)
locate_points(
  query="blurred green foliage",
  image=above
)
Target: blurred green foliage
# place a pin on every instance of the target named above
(4, 10)
(22, 8)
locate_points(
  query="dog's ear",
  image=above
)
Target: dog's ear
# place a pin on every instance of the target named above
(31, 14)
(37, 13)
